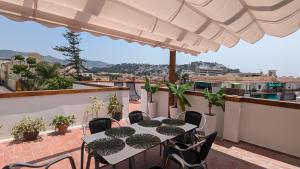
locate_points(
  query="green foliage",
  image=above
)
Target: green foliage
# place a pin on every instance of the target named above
(185, 78)
(47, 71)
(216, 99)
(179, 91)
(27, 125)
(152, 89)
(19, 58)
(72, 52)
(25, 70)
(60, 82)
(114, 105)
(63, 120)
(38, 76)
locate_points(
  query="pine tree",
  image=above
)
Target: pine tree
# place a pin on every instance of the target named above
(72, 52)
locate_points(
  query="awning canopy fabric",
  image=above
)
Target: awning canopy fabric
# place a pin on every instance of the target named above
(190, 26)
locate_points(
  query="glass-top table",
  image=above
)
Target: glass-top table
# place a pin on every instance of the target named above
(129, 151)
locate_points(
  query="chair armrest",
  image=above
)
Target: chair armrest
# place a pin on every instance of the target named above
(47, 164)
(179, 115)
(114, 120)
(190, 147)
(148, 115)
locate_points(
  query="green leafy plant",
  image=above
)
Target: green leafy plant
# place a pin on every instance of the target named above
(63, 120)
(216, 99)
(60, 82)
(27, 125)
(179, 91)
(151, 89)
(114, 105)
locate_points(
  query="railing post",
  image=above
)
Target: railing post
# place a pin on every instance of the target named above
(172, 76)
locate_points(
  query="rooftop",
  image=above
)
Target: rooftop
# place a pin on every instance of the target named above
(224, 154)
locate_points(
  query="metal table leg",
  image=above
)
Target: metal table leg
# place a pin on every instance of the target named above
(82, 155)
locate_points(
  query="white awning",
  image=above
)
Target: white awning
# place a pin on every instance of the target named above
(190, 26)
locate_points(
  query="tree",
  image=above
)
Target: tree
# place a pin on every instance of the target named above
(72, 52)
(25, 70)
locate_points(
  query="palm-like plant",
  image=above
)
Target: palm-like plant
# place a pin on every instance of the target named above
(151, 89)
(216, 99)
(179, 91)
(47, 71)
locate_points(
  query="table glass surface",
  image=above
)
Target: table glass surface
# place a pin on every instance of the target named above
(128, 151)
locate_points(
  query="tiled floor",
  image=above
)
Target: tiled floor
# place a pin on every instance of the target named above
(224, 155)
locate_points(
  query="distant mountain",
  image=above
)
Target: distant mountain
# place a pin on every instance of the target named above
(90, 63)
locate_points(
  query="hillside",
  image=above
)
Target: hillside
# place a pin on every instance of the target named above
(51, 59)
(148, 69)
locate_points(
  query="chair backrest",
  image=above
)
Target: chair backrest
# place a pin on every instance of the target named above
(207, 145)
(99, 124)
(135, 116)
(193, 117)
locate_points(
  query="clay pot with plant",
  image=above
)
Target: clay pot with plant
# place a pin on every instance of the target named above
(28, 128)
(178, 92)
(151, 89)
(115, 108)
(62, 123)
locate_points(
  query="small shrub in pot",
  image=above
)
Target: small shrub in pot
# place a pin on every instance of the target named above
(62, 123)
(28, 128)
(115, 108)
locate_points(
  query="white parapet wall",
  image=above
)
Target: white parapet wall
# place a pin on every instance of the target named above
(266, 123)
(272, 127)
(13, 109)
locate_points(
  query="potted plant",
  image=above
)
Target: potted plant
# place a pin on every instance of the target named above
(178, 92)
(28, 128)
(218, 100)
(62, 123)
(115, 108)
(151, 89)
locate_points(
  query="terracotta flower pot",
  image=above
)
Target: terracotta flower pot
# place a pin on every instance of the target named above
(30, 135)
(62, 129)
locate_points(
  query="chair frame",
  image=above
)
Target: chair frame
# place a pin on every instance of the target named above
(46, 165)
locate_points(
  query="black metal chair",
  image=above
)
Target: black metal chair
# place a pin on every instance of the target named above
(191, 117)
(187, 157)
(137, 116)
(45, 165)
(98, 125)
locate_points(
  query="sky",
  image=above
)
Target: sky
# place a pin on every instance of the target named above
(282, 54)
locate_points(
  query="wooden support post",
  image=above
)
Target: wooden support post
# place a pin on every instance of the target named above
(172, 76)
